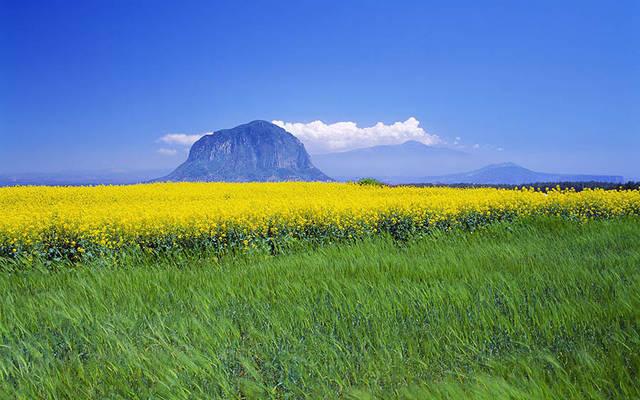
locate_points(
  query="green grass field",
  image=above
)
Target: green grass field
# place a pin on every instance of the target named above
(537, 309)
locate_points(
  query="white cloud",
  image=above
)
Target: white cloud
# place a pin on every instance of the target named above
(167, 152)
(181, 138)
(319, 137)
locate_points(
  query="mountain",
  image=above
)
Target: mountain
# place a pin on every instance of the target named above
(393, 163)
(257, 151)
(512, 174)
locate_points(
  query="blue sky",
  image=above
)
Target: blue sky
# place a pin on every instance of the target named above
(95, 84)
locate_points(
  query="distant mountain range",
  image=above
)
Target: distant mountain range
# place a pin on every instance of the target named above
(409, 159)
(255, 152)
(415, 162)
(512, 174)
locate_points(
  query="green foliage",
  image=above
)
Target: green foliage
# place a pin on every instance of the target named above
(528, 309)
(370, 182)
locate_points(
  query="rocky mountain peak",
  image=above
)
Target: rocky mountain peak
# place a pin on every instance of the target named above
(257, 151)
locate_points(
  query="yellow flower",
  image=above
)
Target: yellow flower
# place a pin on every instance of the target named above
(117, 216)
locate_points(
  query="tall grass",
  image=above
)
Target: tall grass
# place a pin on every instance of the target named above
(543, 309)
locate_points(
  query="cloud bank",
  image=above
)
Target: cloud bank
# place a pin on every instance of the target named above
(178, 142)
(319, 137)
(182, 139)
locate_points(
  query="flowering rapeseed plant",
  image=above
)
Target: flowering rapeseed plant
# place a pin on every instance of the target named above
(80, 220)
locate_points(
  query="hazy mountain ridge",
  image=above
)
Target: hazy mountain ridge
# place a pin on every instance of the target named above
(409, 159)
(513, 174)
(415, 162)
(504, 174)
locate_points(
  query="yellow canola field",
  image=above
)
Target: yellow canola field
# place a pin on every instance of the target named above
(110, 217)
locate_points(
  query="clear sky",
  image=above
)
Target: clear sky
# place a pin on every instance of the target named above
(554, 85)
